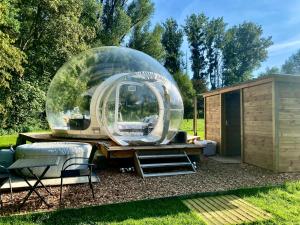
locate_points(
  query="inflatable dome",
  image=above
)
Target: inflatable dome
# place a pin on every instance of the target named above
(117, 93)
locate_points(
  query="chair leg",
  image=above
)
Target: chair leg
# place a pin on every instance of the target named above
(91, 185)
(11, 191)
(61, 185)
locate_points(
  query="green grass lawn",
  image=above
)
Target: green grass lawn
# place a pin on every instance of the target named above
(282, 202)
(7, 140)
(187, 125)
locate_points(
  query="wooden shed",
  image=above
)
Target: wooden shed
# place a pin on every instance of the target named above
(258, 120)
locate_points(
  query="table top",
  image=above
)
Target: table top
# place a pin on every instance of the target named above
(31, 163)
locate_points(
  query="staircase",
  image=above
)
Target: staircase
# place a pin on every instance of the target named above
(163, 163)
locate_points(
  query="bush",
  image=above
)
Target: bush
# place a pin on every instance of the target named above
(26, 112)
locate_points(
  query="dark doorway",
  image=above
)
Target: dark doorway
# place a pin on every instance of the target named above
(232, 124)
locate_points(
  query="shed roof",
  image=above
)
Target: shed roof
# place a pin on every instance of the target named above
(254, 82)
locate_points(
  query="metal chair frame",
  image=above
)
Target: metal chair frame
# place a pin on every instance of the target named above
(65, 172)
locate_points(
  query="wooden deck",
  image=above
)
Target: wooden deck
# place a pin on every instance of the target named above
(226, 209)
(109, 148)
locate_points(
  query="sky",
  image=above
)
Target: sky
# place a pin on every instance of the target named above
(279, 19)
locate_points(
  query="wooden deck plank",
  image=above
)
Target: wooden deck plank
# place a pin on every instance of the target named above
(226, 209)
(207, 217)
(217, 213)
(228, 217)
(240, 212)
(250, 206)
(231, 210)
(212, 216)
(247, 206)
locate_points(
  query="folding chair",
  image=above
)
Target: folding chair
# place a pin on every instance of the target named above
(85, 169)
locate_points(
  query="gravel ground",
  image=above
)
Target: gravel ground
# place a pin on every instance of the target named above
(122, 187)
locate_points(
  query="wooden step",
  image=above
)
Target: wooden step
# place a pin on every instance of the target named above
(168, 173)
(163, 164)
(156, 165)
(161, 156)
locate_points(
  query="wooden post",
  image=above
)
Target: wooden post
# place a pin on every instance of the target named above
(195, 116)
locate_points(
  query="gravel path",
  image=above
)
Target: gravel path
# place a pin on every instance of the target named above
(122, 187)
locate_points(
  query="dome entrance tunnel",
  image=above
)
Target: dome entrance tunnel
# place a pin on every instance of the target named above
(117, 93)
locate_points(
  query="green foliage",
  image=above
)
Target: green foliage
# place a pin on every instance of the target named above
(28, 104)
(244, 50)
(140, 12)
(172, 39)
(148, 41)
(270, 71)
(215, 31)
(49, 41)
(187, 92)
(11, 57)
(118, 19)
(224, 57)
(116, 22)
(195, 31)
(292, 65)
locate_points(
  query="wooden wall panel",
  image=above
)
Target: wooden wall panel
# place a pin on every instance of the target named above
(289, 127)
(213, 118)
(258, 125)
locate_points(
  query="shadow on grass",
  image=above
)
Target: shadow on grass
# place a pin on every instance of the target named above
(105, 214)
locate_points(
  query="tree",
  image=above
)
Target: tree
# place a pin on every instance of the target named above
(292, 65)
(244, 50)
(172, 39)
(50, 33)
(116, 23)
(187, 91)
(214, 33)
(118, 19)
(147, 41)
(11, 58)
(195, 31)
(270, 71)
(49, 41)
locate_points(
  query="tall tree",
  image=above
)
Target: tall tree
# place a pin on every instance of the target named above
(116, 23)
(11, 58)
(148, 41)
(244, 50)
(195, 31)
(292, 64)
(118, 18)
(214, 33)
(172, 39)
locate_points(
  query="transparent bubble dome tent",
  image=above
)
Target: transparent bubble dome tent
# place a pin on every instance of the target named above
(117, 93)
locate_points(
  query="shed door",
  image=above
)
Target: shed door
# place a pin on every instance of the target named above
(232, 124)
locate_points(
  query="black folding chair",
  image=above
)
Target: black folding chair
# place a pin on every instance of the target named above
(86, 169)
(3, 178)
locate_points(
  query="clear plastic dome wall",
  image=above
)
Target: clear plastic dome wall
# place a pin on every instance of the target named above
(114, 92)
